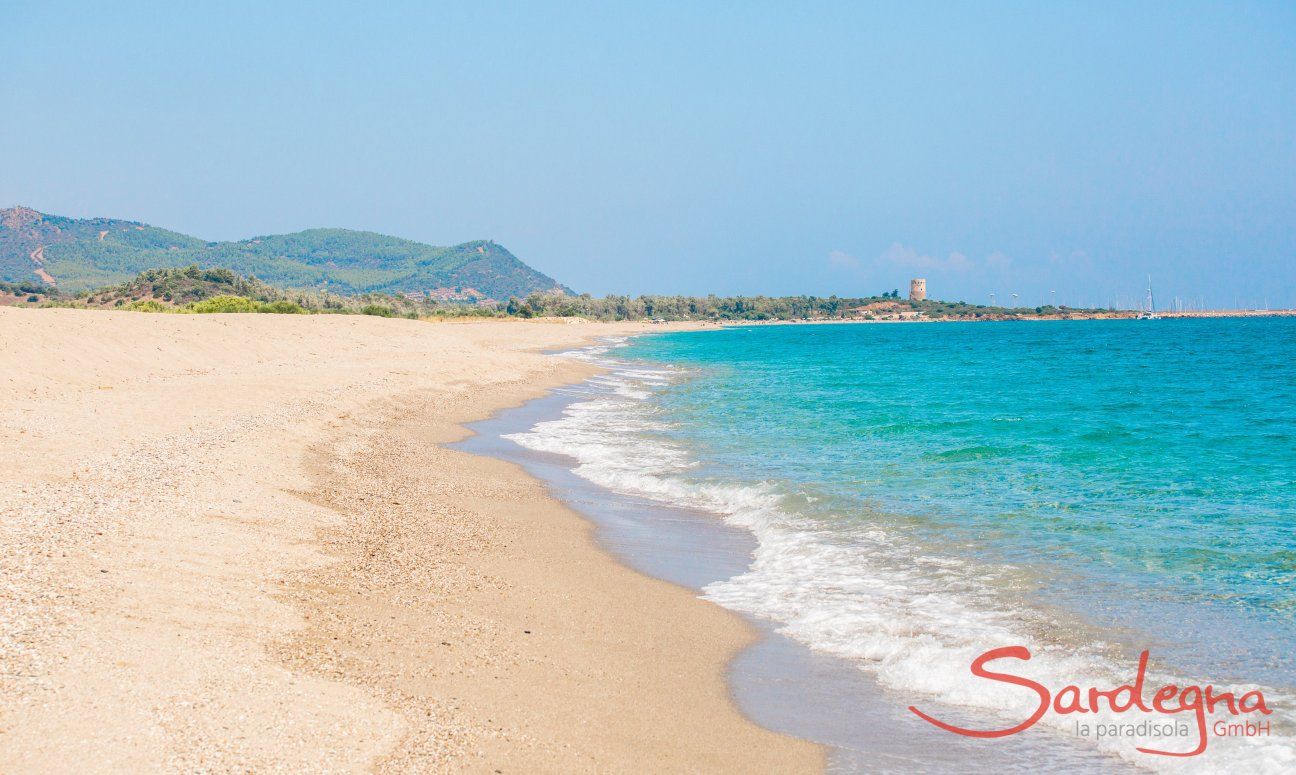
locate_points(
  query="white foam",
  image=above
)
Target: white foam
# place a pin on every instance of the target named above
(914, 618)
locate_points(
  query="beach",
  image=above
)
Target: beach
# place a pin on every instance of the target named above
(238, 542)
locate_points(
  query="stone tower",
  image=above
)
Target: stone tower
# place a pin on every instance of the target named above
(918, 289)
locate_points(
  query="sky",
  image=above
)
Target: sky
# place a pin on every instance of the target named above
(1053, 150)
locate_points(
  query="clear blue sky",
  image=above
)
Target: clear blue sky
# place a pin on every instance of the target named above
(691, 147)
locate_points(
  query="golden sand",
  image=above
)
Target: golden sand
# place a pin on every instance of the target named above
(234, 542)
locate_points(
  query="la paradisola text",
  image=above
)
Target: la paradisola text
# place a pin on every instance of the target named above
(1169, 700)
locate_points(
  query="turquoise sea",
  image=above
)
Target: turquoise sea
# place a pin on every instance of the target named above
(923, 493)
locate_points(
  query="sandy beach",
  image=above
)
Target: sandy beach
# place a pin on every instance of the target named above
(236, 542)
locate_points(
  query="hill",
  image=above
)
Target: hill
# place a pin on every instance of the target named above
(79, 254)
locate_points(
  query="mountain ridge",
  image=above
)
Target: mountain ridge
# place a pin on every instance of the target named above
(84, 253)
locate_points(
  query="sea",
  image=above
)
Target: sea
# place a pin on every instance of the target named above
(911, 496)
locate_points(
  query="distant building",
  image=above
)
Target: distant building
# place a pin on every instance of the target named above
(918, 289)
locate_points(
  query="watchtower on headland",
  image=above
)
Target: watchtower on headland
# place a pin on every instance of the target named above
(918, 289)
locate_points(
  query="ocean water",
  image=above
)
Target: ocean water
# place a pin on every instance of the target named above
(920, 494)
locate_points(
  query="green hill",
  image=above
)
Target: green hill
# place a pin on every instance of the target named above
(78, 254)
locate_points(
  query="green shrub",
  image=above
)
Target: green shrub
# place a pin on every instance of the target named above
(282, 307)
(147, 305)
(223, 304)
(377, 309)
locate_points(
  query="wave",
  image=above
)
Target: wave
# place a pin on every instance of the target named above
(865, 590)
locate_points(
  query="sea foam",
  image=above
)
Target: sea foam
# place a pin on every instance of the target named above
(911, 616)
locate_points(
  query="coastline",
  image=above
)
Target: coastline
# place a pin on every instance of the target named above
(678, 423)
(780, 683)
(1069, 317)
(236, 541)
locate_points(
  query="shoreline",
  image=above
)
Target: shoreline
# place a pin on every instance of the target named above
(1106, 316)
(276, 614)
(706, 445)
(779, 682)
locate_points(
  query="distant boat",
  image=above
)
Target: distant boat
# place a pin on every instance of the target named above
(1150, 313)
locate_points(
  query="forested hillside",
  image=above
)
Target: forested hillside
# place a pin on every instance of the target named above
(78, 254)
